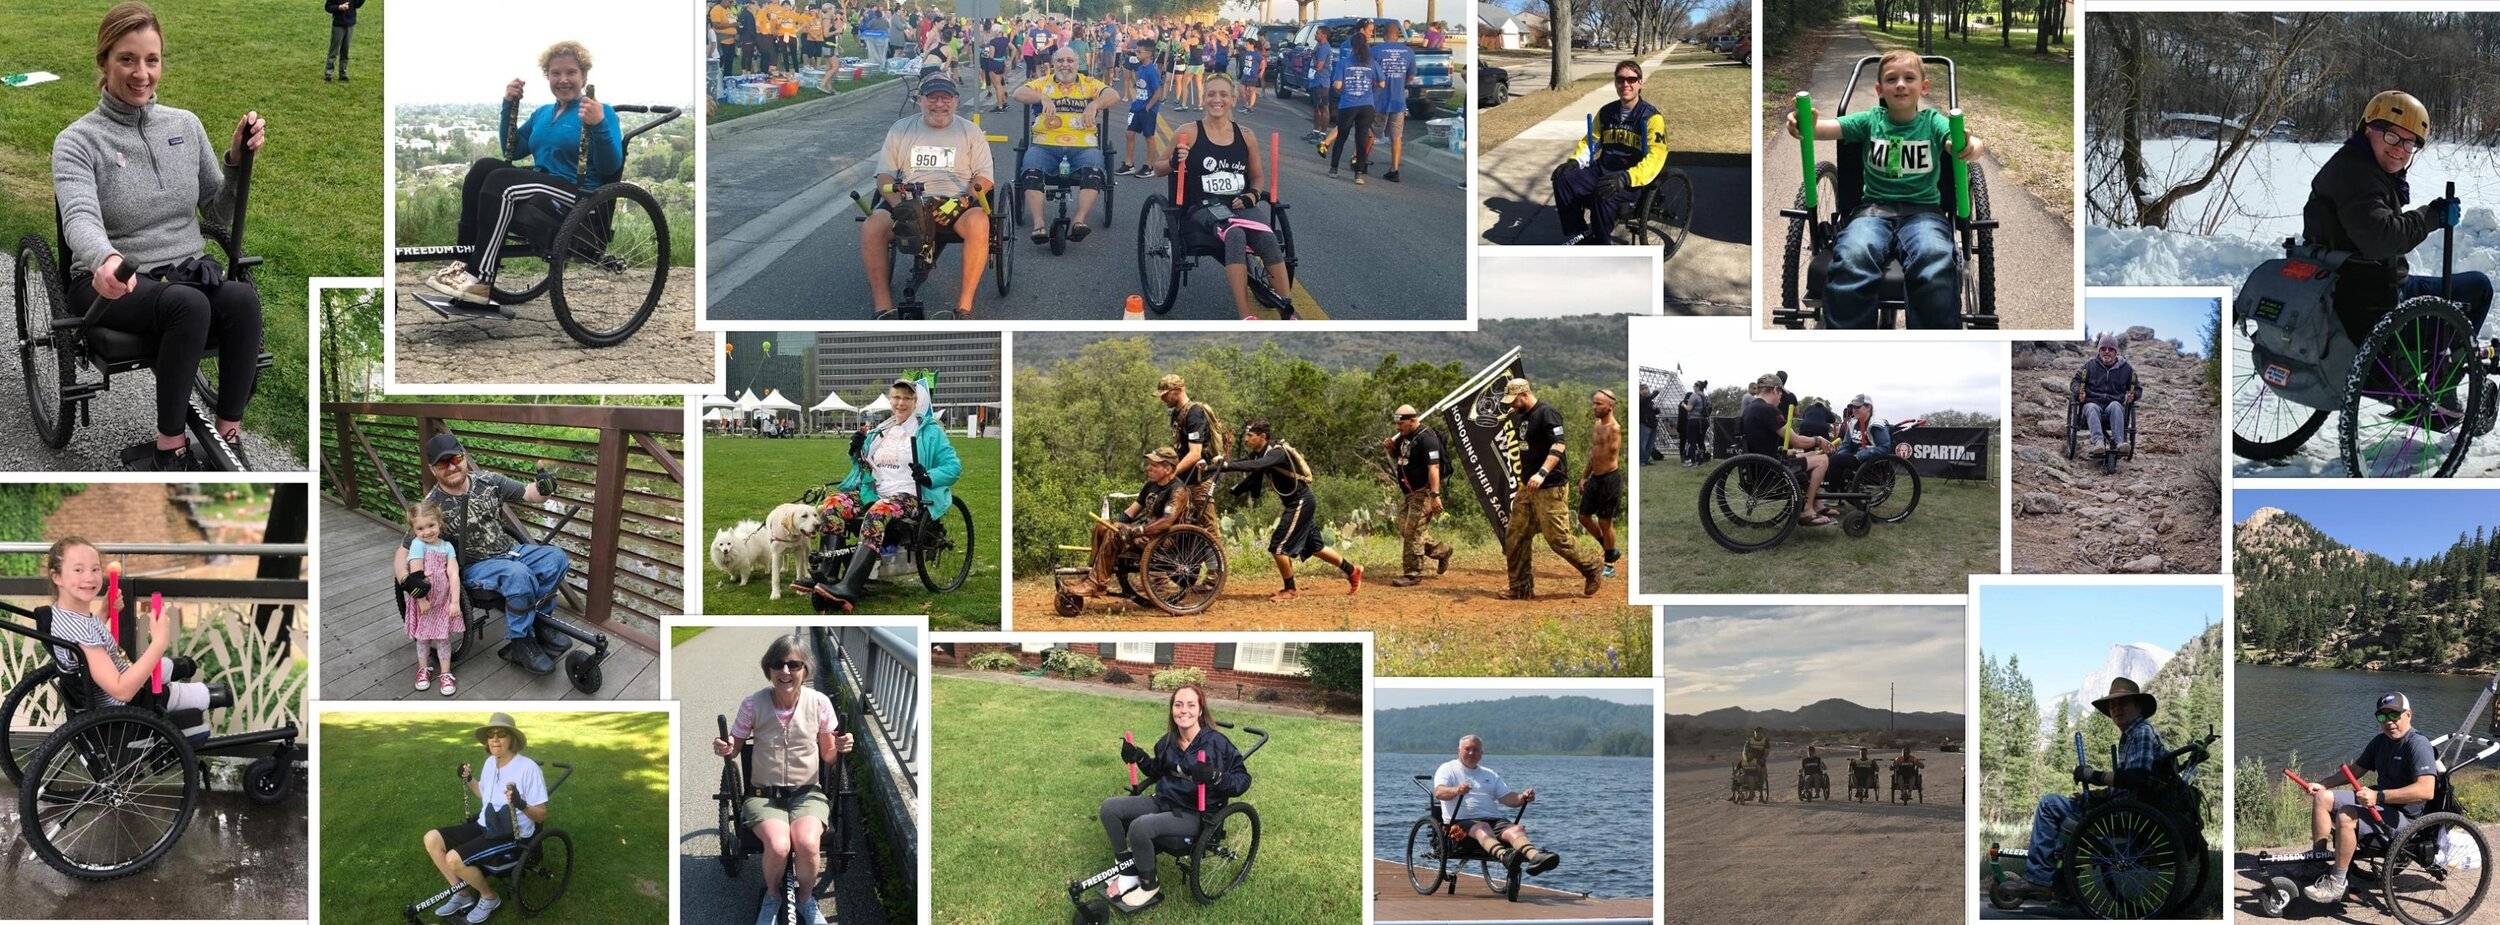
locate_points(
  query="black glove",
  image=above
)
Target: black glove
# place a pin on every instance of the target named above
(2084, 775)
(415, 585)
(1205, 773)
(546, 481)
(859, 443)
(1612, 182)
(920, 475)
(1131, 754)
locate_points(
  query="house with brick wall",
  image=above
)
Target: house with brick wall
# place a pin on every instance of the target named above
(1230, 666)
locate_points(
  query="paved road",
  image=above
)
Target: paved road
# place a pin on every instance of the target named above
(2035, 250)
(784, 246)
(1529, 76)
(711, 672)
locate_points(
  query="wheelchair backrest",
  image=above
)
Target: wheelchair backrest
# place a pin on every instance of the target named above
(77, 689)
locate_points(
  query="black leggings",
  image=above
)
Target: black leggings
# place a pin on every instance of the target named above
(181, 319)
(493, 195)
(1354, 128)
(1133, 823)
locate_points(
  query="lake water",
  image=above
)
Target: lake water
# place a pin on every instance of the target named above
(2325, 715)
(1595, 812)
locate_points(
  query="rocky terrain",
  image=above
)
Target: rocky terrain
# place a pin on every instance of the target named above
(2162, 511)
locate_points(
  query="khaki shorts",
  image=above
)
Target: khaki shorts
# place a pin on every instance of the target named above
(813, 805)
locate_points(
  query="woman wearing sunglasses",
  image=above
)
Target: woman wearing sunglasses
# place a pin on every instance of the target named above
(793, 729)
(2357, 204)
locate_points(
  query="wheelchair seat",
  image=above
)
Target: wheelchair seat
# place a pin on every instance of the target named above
(77, 691)
(1849, 187)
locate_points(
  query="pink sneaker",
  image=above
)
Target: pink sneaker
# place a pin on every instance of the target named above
(425, 677)
(450, 684)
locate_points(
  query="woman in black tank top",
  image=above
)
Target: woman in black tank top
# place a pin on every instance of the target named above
(1221, 182)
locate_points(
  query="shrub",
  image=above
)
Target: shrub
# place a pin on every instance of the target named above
(1267, 695)
(994, 660)
(1071, 663)
(1116, 676)
(1172, 679)
(1334, 666)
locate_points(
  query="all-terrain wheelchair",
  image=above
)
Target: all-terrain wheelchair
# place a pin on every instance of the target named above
(109, 791)
(533, 877)
(2434, 869)
(2410, 398)
(1170, 245)
(1748, 781)
(1832, 195)
(1813, 783)
(1437, 849)
(67, 356)
(1213, 860)
(2079, 430)
(919, 235)
(938, 545)
(1909, 783)
(602, 262)
(483, 608)
(1751, 502)
(1662, 209)
(1059, 188)
(1180, 572)
(2138, 854)
(833, 778)
(1861, 779)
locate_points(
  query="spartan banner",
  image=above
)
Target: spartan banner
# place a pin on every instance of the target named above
(1483, 437)
(1936, 452)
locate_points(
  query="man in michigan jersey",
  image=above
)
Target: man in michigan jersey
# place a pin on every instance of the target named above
(1067, 139)
(1609, 166)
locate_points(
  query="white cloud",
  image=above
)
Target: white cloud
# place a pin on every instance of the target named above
(1779, 658)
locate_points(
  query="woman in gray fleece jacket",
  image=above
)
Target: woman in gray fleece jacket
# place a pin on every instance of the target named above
(132, 179)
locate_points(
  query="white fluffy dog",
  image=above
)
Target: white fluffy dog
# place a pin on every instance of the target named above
(742, 550)
(790, 528)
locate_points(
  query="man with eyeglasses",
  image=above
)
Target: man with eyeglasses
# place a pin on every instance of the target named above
(526, 574)
(1609, 166)
(2404, 771)
(2357, 204)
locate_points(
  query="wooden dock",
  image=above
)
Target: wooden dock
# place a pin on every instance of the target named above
(1394, 900)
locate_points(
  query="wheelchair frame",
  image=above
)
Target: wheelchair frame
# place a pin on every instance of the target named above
(266, 781)
(2077, 427)
(924, 537)
(591, 217)
(1163, 239)
(1748, 782)
(1188, 548)
(1190, 852)
(1813, 229)
(481, 608)
(1814, 785)
(1908, 780)
(71, 342)
(528, 863)
(736, 841)
(924, 254)
(1059, 191)
(1443, 853)
(2111, 865)
(1862, 778)
(1866, 499)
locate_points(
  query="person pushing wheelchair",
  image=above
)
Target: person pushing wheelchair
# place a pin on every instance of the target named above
(2405, 769)
(2140, 750)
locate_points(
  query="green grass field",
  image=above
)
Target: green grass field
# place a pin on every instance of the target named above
(316, 207)
(1025, 771)
(1703, 105)
(386, 778)
(2036, 90)
(744, 477)
(1953, 534)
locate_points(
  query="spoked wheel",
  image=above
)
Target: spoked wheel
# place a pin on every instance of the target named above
(2428, 879)
(1980, 300)
(41, 357)
(1427, 861)
(2264, 424)
(1670, 213)
(945, 545)
(545, 873)
(1497, 877)
(732, 843)
(208, 446)
(1750, 502)
(1222, 859)
(2127, 861)
(1182, 571)
(2073, 439)
(1281, 218)
(1798, 252)
(34, 694)
(1158, 255)
(109, 794)
(611, 264)
(2413, 388)
(1003, 241)
(518, 279)
(1891, 486)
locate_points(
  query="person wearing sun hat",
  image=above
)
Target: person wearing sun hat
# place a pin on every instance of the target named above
(505, 779)
(2405, 772)
(2140, 751)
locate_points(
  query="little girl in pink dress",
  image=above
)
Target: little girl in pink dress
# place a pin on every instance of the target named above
(433, 617)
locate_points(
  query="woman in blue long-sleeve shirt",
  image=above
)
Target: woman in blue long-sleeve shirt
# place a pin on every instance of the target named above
(496, 192)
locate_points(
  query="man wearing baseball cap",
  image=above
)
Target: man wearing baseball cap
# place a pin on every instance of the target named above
(2405, 773)
(1540, 495)
(1763, 428)
(1197, 442)
(950, 159)
(527, 575)
(1158, 507)
(1415, 456)
(2140, 752)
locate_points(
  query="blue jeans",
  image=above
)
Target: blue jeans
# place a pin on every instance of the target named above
(2057, 811)
(527, 579)
(1922, 242)
(2115, 413)
(1047, 158)
(2468, 288)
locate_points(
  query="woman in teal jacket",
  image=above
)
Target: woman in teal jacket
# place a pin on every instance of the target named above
(898, 468)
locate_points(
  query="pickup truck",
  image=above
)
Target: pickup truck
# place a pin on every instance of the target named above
(1428, 90)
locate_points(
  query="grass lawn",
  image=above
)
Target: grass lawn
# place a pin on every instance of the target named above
(389, 777)
(1024, 771)
(849, 46)
(1566, 645)
(316, 207)
(746, 476)
(1953, 534)
(679, 633)
(1703, 105)
(2037, 91)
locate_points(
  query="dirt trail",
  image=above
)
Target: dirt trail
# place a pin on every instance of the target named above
(2160, 513)
(1836, 862)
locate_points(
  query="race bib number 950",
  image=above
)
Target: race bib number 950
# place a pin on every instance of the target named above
(932, 157)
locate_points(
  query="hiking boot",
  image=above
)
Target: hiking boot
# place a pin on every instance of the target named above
(1516, 595)
(1588, 588)
(524, 653)
(1441, 559)
(1406, 581)
(2327, 889)
(1541, 860)
(550, 639)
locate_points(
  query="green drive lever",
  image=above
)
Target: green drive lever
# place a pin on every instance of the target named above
(1805, 144)
(1961, 165)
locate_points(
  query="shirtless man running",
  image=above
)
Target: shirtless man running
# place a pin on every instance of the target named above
(1601, 486)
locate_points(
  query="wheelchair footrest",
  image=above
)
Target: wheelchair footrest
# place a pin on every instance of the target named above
(463, 308)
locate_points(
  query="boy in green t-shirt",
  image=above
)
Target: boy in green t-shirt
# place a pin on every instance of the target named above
(1900, 215)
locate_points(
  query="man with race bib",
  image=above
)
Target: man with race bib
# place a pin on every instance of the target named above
(1066, 139)
(949, 158)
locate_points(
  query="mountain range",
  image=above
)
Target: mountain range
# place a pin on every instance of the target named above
(1536, 725)
(1833, 714)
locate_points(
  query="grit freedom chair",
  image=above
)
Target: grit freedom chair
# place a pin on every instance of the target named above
(1862, 779)
(1812, 785)
(919, 235)
(533, 877)
(1059, 188)
(67, 356)
(110, 790)
(602, 262)
(833, 777)
(2434, 870)
(2079, 430)
(1831, 196)
(1213, 860)
(1169, 247)
(2409, 400)
(1909, 782)
(1748, 781)
(2140, 854)
(1437, 849)
(1661, 213)
(938, 546)
(1751, 501)
(1180, 571)
(482, 608)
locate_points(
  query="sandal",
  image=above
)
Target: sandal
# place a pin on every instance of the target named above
(1078, 231)
(1816, 520)
(1041, 234)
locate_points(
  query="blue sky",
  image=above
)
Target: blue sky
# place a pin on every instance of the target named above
(2063, 632)
(1389, 698)
(2393, 522)
(2183, 319)
(1784, 657)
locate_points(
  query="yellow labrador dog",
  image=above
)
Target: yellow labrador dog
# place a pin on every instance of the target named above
(790, 528)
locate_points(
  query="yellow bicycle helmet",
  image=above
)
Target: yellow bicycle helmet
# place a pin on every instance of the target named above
(2400, 109)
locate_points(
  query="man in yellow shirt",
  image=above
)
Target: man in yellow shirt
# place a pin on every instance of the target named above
(819, 24)
(1067, 138)
(786, 23)
(724, 18)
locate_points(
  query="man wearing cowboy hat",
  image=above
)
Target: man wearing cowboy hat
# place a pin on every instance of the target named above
(504, 782)
(1415, 458)
(2140, 750)
(1540, 495)
(2405, 769)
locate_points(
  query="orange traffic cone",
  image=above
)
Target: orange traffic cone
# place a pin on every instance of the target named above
(1135, 310)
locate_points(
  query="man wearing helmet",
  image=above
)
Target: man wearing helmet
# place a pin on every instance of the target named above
(2357, 204)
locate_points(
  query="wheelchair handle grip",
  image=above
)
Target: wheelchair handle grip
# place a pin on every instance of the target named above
(2355, 781)
(242, 204)
(2448, 247)
(94, 316)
